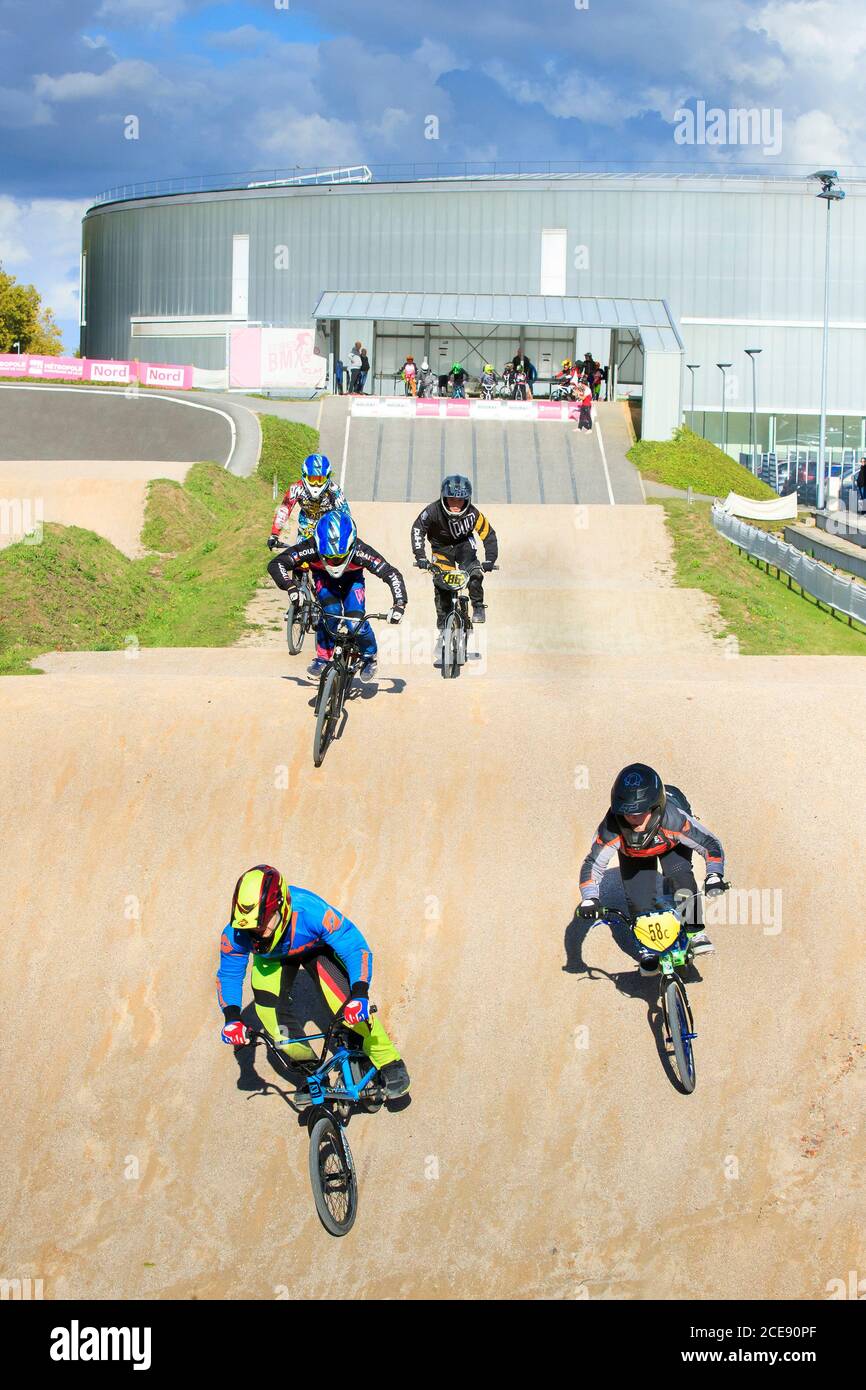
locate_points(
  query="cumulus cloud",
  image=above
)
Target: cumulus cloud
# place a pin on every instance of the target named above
(125, 77)
(40, 244)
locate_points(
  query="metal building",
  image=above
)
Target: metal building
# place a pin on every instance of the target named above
(652, 273)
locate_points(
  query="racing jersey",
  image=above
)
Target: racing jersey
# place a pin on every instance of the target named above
(331, 500)
(314, 923)
(441, 528)
(364, 558)
(677, 827)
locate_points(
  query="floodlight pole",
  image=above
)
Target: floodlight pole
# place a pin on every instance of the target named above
(753, 353)
(831, 193)
(723, 368)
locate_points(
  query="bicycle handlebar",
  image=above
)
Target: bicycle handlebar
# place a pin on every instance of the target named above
(608, 913)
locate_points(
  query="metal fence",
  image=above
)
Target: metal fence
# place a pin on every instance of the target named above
(846, 596)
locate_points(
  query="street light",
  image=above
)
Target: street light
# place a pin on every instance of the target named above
(693, 367)
(753, 432)
(723, 368)
(831, 193)
(17, 347)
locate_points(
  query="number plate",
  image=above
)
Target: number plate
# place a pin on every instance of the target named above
(658, 930)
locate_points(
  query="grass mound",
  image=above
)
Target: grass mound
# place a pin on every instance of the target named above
(687, 460)
(74, 591)
(767, 618)
(285, 444)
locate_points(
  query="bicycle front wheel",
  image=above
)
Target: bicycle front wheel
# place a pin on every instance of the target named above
(296, 628)
(327, 713)
(451, 648)
(332, 1174)
(678, 1017)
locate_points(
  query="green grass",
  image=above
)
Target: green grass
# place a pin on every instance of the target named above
(687, 460)
(767, 618)
(75, 592)
(285, 444)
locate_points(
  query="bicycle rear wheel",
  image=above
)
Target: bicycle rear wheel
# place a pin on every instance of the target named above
(332, 1174)
(678, 1017)
(327, 713)
(450, 648)
(296, 628)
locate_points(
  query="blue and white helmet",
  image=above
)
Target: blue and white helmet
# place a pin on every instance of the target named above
(316, 475)
(336, 538)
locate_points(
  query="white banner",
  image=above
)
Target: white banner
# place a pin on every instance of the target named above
(433, 408)
(288, 358)
(773, 509)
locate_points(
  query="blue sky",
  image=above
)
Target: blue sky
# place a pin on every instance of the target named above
(231, 86)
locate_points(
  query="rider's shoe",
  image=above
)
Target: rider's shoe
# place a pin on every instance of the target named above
(316, 666)
(479, 612)
(395, 1079)
(700, 943)
(368, 669)
(648, 962)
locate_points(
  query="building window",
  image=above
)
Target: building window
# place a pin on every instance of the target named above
(554, 254)
(240, 277)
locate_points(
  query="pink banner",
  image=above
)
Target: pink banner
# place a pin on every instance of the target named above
(169, 375)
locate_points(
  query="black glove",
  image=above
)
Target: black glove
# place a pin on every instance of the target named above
(273, 542)
(487, 566)
(423, 563)
(293, 597)
(714, 884)
(590, 912)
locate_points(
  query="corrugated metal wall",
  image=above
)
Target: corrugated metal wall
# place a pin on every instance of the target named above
(743, 249)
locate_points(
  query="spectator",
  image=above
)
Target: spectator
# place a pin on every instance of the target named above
(365, 370)
(861, 485)
(355, 368)
(338, 376)
(604, 376)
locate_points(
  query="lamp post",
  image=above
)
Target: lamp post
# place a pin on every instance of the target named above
(723, 368)
(17, 347)
(831, 193)
(693, 367)
(753, 353)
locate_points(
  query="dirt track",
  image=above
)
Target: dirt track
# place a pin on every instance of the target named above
(450, 822)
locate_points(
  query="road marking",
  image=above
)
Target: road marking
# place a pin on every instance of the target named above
(538, 463)
(319, 416)
(570, 456)
(345, 451)
(604, 461)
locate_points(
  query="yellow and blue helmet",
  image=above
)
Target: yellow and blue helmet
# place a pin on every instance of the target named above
(316, 475)
(336, 538)
(260, 894)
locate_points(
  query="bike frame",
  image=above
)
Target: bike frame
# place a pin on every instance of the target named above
(316, 1075)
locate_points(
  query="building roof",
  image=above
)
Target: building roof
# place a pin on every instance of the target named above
(650, 317)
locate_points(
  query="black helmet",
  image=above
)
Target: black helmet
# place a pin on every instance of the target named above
(456, 486)
(637, 790)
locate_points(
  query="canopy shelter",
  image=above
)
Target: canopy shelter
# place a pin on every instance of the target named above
(643, 324)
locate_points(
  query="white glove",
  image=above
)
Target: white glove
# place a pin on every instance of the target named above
(396, 615)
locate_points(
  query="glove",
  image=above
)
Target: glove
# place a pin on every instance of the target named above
(273, 542)
(357, 1011)
(396, 615)
(423, 563)
(590, 911)
(235, 1034)
(487, 566)
(714, 884)
(293, 596)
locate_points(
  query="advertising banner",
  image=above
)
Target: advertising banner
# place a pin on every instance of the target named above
(289, 358)
(446, 408)
(47, 368)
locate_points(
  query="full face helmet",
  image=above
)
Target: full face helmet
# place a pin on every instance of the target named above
(260, 894)
(316, 475)
(455, 487)
(336, 538)
(638, 791)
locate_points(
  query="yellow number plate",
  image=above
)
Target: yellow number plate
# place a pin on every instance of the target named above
(658, 930)
(456, 578)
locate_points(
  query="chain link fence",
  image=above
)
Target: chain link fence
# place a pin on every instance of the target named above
(845, 596)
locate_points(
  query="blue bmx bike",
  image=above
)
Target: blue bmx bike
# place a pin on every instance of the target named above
(340, 1080)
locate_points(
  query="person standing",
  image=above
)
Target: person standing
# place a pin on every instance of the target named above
(861, 485)
(338, 376)
(584, 396)
(354, 368)
(365, 370)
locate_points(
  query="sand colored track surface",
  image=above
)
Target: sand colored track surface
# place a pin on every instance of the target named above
(546, 1151)
(104, 495)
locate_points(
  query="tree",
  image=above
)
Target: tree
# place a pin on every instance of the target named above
(25, 320)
